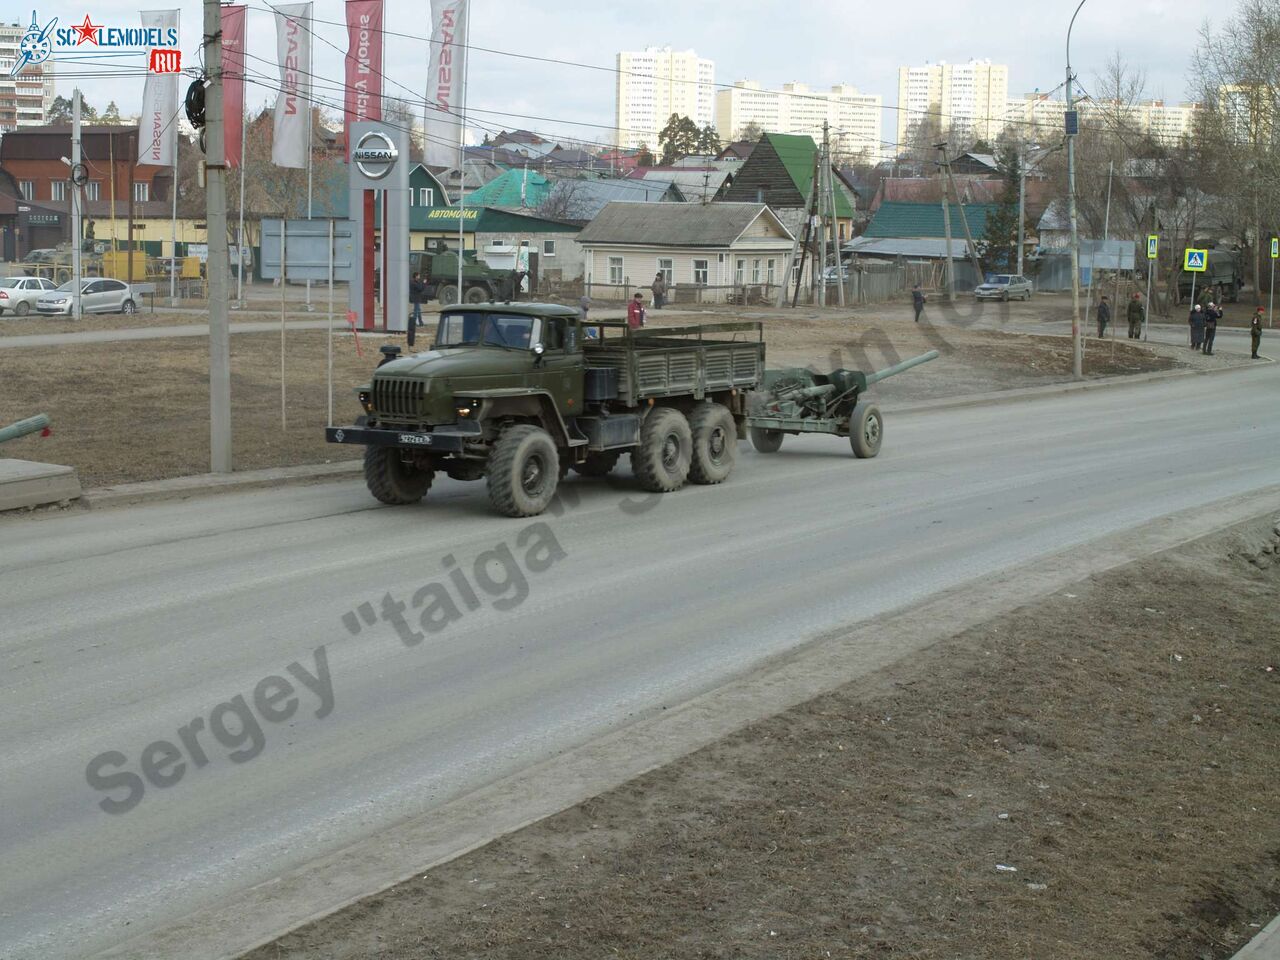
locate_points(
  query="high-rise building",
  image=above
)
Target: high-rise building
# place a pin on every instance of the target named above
(968, 99)
(657, 82)
(25, 99)
(1037, 116)
(853, 118)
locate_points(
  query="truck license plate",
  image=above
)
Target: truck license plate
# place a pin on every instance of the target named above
(419, 438)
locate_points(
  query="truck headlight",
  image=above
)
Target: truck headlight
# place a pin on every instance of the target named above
(464, 411)
(365, 401)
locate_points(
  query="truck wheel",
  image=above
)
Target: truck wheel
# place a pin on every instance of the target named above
(447, 294)
(476, 295)
(598, 464)
(524, 469)
(766, 441)
(866, 430)
(715, 443)
(661, 461)
(391, 480)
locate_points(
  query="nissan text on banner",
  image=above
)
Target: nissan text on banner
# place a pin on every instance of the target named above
(158, 122)
(233, 80)
(292, 135)
(364, 63)
(445, 94)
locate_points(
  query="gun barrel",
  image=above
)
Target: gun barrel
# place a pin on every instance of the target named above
(23, 427)
(898, 368)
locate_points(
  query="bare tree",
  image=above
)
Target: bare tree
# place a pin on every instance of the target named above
(565, 201)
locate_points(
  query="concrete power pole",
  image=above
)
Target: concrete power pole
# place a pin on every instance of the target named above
(1077, 346)
(947, 264)
(216, 217)
(76, 229)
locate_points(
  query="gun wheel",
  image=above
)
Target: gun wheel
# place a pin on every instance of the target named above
(866, 430)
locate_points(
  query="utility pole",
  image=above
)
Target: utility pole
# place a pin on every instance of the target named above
(76, 231)
(829, 170)
(947, 264)
(1072, 122)
(964, 220)
(820, 184)
(1022, 206)
(216, 217)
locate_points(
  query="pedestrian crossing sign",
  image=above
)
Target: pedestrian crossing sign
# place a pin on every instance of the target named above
(1275, 248)
(1195, 261)
(1153, 245)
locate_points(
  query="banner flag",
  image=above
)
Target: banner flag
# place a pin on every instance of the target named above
(291, 140)
(158, 122)
(364, 63)
(445, 84)
(233, 80)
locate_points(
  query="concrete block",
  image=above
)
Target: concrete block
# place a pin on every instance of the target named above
(27, 484)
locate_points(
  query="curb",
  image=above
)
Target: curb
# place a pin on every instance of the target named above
(1055, 389)
(181, 488)
(1265, 946)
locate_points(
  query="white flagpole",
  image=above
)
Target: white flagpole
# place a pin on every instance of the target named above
(462, 149)
(173, 261)
(244, 133)
(311, 55)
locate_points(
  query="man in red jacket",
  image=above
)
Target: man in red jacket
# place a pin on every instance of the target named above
(635, 312)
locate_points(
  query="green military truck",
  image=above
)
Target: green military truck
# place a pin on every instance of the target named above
(517, 394)
(438, 268)
(1221, 281)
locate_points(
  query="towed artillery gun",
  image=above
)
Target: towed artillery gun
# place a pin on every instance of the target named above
(795, 400)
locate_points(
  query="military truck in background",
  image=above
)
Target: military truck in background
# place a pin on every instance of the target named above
(518, 394)
(1221, 282)
(438, 267)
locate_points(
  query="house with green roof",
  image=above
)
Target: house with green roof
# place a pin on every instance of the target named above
(900, 219)
(779, 172)
(519, 189)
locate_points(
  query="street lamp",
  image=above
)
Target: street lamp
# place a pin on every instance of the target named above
(1072, 123)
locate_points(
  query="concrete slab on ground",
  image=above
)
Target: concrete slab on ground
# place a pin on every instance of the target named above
(1265, 946)
(24, 483)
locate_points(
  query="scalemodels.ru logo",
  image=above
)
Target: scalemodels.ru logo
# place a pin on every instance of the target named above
(87, 38)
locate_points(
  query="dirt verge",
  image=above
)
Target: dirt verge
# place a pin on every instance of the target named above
(1091, 775)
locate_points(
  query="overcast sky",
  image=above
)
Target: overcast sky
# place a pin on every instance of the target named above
(819, 42)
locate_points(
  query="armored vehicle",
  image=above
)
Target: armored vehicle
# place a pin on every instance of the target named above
(517, 394)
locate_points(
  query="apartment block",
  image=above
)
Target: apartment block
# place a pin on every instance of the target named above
(25, 99)
(1039, 116)
(654, 83)
(853, 118)
(968, 98)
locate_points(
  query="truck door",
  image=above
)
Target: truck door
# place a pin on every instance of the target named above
(562, 366)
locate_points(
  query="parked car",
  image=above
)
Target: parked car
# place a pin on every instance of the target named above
(18, 295)
(98, 294)
(833, 275)
(1004, 286)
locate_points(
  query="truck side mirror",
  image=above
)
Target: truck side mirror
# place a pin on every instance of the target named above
(538, 351)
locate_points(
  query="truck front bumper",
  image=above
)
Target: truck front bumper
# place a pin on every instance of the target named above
(446, 441)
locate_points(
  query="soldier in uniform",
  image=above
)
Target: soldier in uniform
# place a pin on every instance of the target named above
(1255, 332)
(1134, 313)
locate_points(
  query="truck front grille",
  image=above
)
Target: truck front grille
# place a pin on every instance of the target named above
(400, 399)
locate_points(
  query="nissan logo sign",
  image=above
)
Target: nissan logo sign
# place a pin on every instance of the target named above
(374, 155)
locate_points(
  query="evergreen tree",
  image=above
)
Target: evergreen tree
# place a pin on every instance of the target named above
(679, 138)
(998, 245)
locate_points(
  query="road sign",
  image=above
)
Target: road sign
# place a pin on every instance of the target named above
(1275, 248)
(1153, 245)
(1195, 261)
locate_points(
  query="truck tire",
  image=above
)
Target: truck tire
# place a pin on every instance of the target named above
(524, 469)
(447, 294)
(661, 460)
(477, 295)
(598, 464)
(715, 443)
(766, 441)
(391, 480)
(866, 430)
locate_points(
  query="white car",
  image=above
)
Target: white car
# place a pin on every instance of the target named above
(1004, 286)
(18, 295)
(99, 295)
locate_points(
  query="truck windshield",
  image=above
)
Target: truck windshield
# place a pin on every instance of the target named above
(473, 329)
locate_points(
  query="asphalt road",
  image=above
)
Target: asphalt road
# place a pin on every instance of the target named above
(122, 626)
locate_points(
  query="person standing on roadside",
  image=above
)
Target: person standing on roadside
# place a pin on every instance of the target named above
(1212, 314)
(1255, 333)
(416, 291)
(1104, 316)
(918, 301)
(635, 312)
(1197, 326)
(659, 288)
(1135, 315)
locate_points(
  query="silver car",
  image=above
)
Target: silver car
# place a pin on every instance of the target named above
(18, 295)
(98, 295)
(1004, 286)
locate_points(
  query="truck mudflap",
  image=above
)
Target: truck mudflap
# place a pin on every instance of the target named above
(446, 441)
